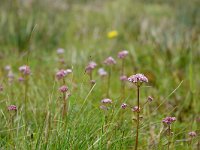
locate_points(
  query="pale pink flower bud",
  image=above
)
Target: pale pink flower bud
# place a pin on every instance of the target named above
(136, 109)
(91, 66)
(110, 61)
(124, 105)
(192, 134)
(106, 101)
(25, 70)
(60, 51)
(63, 89)
(150, 99)
(102, 72)
(12, 107)
(123, 78)
(122, 54)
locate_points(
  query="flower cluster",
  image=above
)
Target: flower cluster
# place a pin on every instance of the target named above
(62, 73)
(25, 70)
(63, 89)
(12, 107)
(106, 101)
(60, 51)
(192, 134)
(123, 78)
(136, 109)
(109, 61)
(122, 54)
(138, 79)
(102, 72)
(169, 120)
(124, 106)
(90, 67)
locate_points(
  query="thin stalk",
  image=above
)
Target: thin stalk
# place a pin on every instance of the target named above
(91, 82)
(108, 84)
(25, 100)
(138, 117)
(169, 132)
(64, 111)
(122, 82)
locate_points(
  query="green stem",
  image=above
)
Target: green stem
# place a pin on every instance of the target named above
(138, 117)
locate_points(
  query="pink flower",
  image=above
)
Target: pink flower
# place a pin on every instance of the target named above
(62, 73)
(25, 70)
(123, 78)
(138, 79)
(63, 89)
(20, 79)
(106, 101)
(109, 61)
(169, 120)
(102, 72)
(12, 107)
(124, 105)
(136, 109)
(90, 67)
(7, 68)
(103, 107)
(150, 99)
(192, 134)
(122, 54)
(60, 51)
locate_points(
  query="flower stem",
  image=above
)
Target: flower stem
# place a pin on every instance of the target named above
(108, 84)
(138, 117)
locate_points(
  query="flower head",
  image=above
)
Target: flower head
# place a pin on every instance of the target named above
(136, 109)
(169, 120)
(122, 54)
(103, 107)
(25, 70)
(138, 79)
(192, 134)
(20, 79)
(150, 99)
(63, 89)
(90, 67)
(106, 101)
(124, 105)
(7, 68)
(12, 107)
(102, 72)
(109, 61)
(123, 78)
(112, 34)
(60, 51)
(62, 73)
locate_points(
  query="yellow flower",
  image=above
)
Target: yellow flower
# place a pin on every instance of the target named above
(112, 34)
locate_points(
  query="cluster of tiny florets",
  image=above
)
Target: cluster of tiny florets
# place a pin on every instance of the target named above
(12, 107)
(109, 61)
(91, 66)
(122, 54)
(138, 78)
(62, 73)
(169, 120)
(25, 70)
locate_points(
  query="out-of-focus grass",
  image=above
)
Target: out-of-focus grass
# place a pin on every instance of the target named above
(163, 41)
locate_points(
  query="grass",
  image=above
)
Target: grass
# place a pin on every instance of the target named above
(162, 38)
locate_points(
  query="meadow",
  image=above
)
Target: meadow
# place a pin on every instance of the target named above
(91, 74)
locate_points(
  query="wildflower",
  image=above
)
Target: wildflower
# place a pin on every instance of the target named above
(63, 89)
(60, 51)
(124, 105)
(90, 67)
(25, 70)
(62, 73)
(169, 120)
(112, 34)
(7, 68)
(136, 109)
(110, 61)
(106, 101)
(150, 99)
(138, 79)
(192, 134)
(122, 54)
(123, 78)
(12, 107)
(1, 88)
(103, 107)
(20, 79)
(102, 72)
